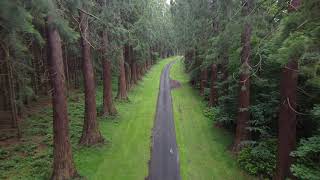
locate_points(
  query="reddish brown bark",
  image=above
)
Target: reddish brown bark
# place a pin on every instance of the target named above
(134, 77)
(108, 106)
(242, 132)
(90, 134)
(63, 166)
(213, 100)
(203, 81)
(139, 71)
(122, 89)
(127, 57)
(287, 117)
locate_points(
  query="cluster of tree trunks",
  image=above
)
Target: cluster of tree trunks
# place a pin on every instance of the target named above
(288, 92)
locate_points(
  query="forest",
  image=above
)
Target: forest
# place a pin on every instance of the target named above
(160, 89)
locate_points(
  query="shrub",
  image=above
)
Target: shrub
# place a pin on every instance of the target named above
(211, 112)
(260, 159)
(307, 165)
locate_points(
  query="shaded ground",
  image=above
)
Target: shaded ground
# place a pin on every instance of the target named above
(164, 164)
(203, 149)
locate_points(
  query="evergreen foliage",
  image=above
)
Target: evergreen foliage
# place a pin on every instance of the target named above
(209, 32)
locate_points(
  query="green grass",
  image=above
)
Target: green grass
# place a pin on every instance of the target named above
(203, 149)
(125, 156)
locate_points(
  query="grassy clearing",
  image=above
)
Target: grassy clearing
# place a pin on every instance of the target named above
(203, 149)
(124, 157)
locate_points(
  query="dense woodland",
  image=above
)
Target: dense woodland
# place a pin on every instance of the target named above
(255, 62)
(50, 48)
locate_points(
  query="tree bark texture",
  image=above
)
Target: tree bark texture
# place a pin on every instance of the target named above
(127, 57)
(213, 100)
(287, 118)
(63, 166)
(122, 85)
(203, 81)
(243, 116)
(108, 106)
(90, 134)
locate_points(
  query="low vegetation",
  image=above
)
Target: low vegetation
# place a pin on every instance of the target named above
(127, 134)
(203, 148)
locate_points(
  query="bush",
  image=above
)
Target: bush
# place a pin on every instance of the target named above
(307, 165)
(211, 112)
(260, 159)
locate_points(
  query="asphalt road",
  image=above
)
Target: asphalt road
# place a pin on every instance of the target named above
(164, 164)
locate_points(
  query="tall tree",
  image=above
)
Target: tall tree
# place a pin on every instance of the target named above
(91, 134)
(203, 81)
(108, 106)
(213, 100)
(63, 166)
(122, 85)
(287, 118)
(242, 132)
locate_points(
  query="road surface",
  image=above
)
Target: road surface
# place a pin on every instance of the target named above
(164, 164)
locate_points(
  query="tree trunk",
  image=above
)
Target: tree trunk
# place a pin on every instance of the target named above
(133, 67)
(287, 117)
(108, 106)
(242, 132)
(127, 58)
(213, 101)
(225, 74)
(90, 134)
(63, 166)
(122, 89)
(203, 81)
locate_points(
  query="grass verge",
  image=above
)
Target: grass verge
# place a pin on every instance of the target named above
(203, 149)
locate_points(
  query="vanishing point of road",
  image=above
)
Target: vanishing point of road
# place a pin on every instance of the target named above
(164, 164)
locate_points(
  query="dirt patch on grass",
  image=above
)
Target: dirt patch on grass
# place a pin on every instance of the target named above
(174, 84)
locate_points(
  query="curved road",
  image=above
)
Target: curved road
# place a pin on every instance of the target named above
(164, 164)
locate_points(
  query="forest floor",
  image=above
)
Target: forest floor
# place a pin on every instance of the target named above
(125, 155)
(203, 148)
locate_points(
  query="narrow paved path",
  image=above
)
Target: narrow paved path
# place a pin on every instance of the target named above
(164, 163)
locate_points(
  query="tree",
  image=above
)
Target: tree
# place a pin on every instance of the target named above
(213, 100)
(90, 134)
(287, 118)
(63, 166)
(122, 85)
(242, 132)
(108, 106)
